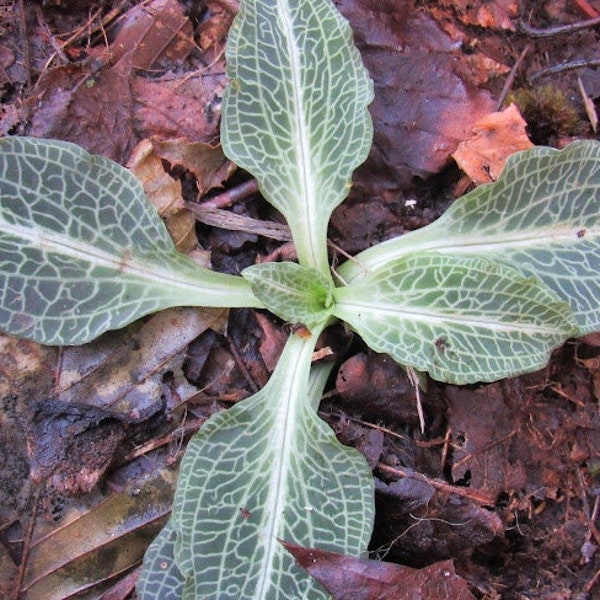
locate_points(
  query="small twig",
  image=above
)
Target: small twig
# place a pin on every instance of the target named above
(446, 448)
(242, 367)
(586, 508)
(341, 416)
(479, 497)
(489, 446)
(27, 543)
(229, 197)
(414, 379)
(567, 66)
(26, 50)
(559, 29)
(592, 582)
(190, 426)
(225, 219)
(511, 77)
(586, 9)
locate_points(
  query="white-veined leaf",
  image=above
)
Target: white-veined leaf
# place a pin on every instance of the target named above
(264, 470)
(462, 319)
(83, 251)
(294, 293)
(294, 113)
(160, 578)
(542, 217)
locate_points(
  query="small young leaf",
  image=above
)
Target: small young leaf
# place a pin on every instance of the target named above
(462, 319)
(542, 217)
(266, 469)
(82, 250)
(294, 293)
(294, 113)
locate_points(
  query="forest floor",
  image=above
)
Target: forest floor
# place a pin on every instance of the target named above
(504, 480)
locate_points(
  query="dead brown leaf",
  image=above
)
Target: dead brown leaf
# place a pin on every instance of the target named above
(423, 105)
(491, 14)
(165, 192)
(161, 189)
(88, 104)
(349, 578)
(520, 442)
(495, 137)
(482, 439)
(167, 107)
(124, 373)
(208, 163)
(92, 103)
(151, 32)
(103, 536)
(376, 385)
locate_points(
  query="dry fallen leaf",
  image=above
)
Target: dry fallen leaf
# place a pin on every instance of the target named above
(495, 137)
(98, 539)
(349, 578)
(94, 102)
(124, 372)
(491, 14)
(208, 163)
(377, 384)
(165, 192)
(423, 104)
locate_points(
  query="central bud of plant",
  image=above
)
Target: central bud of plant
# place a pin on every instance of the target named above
(294, 293)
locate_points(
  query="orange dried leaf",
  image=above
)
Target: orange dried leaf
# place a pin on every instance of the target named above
(495, 137)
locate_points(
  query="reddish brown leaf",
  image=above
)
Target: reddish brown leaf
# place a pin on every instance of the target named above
(493, 14)
(377, 384)
(348, 578)
(91, 102)
(152, 32)
(88, 104)
(423, 106)
(206, 162)
(166, 108)
(165, 193)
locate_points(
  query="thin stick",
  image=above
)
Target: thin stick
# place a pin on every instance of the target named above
(27, 543)
(534, 32)
(226, 199)
(479, 497)
(242, 367)
(26, 50)
(511, 77)
(567, 66)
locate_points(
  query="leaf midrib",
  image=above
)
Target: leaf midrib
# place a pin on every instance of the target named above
(282, 443)
(431, 317)
(482, 242)
(87, 253)
(307, 203)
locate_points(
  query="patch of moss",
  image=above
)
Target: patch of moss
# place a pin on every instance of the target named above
(548, 112)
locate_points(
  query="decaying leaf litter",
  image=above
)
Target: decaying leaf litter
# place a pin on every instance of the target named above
(503, 481)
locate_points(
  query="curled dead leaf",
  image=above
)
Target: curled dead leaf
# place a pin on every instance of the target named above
(495, 137)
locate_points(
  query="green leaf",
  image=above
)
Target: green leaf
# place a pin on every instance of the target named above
(462, 319)
(83, 251)
(160, 578)
(294, 113)
(294, 293)
(541, 217)
(267, 469)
